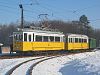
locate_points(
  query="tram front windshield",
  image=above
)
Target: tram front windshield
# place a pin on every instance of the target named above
(18, 37)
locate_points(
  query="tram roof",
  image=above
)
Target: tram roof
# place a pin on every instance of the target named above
(76, 35)
(41, 31)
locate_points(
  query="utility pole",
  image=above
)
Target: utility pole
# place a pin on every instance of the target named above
(21, 7)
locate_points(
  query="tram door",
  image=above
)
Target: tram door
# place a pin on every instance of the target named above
(30, 41)
(30, 37)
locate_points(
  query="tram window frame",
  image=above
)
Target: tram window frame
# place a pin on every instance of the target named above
(38, 38)
(61, 39)
(51, 38)
(45, 39)
(71, 40)
(64, 39)
(25, 36)
(15, 37)
(57, 39)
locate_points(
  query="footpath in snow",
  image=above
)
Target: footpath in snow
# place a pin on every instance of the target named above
(87, 63)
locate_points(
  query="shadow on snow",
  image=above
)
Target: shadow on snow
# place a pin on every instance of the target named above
(76, 68)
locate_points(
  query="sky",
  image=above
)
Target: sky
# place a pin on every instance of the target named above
(66, 10)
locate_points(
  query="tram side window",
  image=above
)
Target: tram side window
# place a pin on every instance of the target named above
(85, 40)
(70, 40)
(76, 40)
(25, 36)
(21, 37)
(33, 37)
(29, 37)
(80, 40)
(57, 39)
(51, 38)
(45, 38)
(38, 38)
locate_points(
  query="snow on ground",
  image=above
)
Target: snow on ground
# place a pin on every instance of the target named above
(78, 64)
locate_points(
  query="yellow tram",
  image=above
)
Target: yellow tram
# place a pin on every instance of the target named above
(37, 40)
(29, 39)
(76, 42)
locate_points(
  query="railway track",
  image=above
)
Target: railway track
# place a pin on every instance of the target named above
(29, 72)
(30, 68)
(15, 67)
(12, 56)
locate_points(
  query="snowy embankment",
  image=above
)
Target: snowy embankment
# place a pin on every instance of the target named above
(77, 64)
